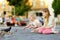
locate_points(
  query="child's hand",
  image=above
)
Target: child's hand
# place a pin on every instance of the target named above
(28, 26)
(24, 27)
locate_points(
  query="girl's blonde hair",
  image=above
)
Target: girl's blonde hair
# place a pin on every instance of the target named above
(33, 16)
(46, 19)
(46, 10)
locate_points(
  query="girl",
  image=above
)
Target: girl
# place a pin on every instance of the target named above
(33, 22)
(49, 24)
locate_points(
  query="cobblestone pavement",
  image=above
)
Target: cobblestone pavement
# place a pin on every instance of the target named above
(21, 34)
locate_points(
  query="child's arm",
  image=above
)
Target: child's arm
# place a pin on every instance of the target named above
(52, 25)
(27, 26)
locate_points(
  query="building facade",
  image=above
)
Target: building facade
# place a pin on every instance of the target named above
(5, 8)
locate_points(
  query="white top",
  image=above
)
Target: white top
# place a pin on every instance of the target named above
(50, 22)
(35, 22)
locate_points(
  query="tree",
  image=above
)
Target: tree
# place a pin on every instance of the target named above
(56, 7)
(20, 6)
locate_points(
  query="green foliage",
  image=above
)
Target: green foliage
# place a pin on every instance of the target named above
(56, 7)
(20, 6)
(14, 2)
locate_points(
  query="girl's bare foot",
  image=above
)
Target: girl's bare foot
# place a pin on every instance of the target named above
(56, 32)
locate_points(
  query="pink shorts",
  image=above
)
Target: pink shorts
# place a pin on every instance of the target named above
(45, 30)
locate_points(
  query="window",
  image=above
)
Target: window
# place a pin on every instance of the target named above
(38, 13)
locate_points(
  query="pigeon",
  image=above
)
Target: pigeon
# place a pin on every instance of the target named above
(6, 30)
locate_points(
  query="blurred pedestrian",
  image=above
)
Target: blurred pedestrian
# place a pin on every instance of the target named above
(18, 19)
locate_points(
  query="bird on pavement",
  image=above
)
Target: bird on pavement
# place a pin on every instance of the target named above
(6, 30)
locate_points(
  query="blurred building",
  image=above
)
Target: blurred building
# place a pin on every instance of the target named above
(37, 5)
(5, 9)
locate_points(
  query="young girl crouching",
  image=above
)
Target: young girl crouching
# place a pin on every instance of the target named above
(49, 24)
